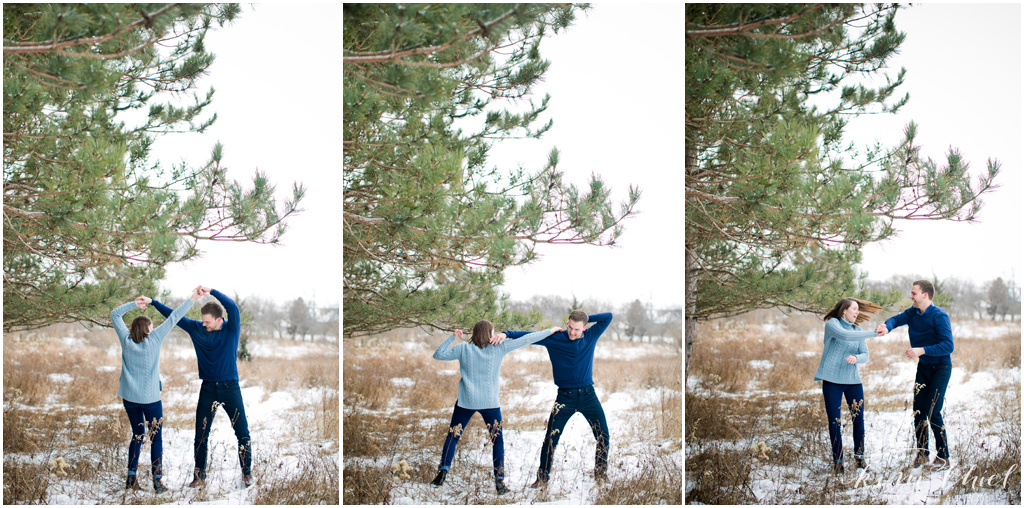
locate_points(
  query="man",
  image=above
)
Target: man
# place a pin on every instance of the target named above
(931, 342)
(572, 364)
(216, 343)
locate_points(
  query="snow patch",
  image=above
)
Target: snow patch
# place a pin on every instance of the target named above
(61, 378)
(73, 341)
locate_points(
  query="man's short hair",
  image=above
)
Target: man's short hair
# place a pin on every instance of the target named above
(214, 309)
(579, 316)
(926, 287)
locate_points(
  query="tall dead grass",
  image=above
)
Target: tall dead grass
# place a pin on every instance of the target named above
(752, 406)
(398, 401)
(60, 401)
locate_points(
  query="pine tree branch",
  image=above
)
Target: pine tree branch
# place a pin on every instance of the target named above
(53, 45)
(395, 56)
(745, 28)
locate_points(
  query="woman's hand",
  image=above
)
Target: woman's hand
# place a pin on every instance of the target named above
(142, 301)
(557, 329)
(458, 333)
(498, 338)
(851, 359)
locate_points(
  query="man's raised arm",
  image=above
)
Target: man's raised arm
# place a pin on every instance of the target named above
(601, 322)
(234, 317)
(184, 323)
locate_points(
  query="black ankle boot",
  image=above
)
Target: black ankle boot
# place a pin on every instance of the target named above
(158, 486)
(500, 485)
(860, 462)
(439, 479)
(132, 482)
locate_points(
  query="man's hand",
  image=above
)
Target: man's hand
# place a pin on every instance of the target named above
(203, 290)
(458, 333)
(881, 330)
(195, 295)
(915, 352)
(142, 301)
(851, 359)
(498, 338)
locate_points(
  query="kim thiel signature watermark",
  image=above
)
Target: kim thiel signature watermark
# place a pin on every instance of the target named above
(949, 477)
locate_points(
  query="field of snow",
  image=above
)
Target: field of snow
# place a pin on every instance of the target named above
(643, 418)
(290, 393)
(782, 451)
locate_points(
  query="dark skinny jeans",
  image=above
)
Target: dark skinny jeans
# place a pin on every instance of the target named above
(834, 393)
(929, 393)
(568, 402)
(229, 395)
(460, 419)
(139, 415)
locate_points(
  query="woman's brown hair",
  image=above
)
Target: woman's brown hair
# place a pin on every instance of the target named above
(866, 309)
(140, 329)
(482, 332)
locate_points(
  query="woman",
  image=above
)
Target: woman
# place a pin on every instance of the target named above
(845, 348)
(140, 381)
(479, 364)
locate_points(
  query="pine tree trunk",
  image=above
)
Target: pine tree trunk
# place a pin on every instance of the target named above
(690, 298)
(690, 278)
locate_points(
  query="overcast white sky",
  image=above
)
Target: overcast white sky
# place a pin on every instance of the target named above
(616, 81)
(278, 102)
(963, 74)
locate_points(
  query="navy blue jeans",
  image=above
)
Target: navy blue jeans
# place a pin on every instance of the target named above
(929, 392)
(229, 395)
(834, 393)
(569, 401)
(460, 419)
(139, 415)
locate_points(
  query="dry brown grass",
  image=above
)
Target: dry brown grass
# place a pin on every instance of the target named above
(656, 481)
(315, 482)
(751, 386)
(614, 375)
(387, 422)
(79, 425)
(25, 483)
(976, 355)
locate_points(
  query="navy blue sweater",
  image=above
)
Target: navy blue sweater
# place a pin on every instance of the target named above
(930, 330)
(572, 361)
(216, 351)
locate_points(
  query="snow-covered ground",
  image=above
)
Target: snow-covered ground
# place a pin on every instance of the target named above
(888, 447)
(572, 479)
(974, 411)
(283, 443)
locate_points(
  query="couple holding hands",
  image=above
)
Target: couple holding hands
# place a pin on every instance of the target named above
(215, 340)
(931, 343)
(571, 351)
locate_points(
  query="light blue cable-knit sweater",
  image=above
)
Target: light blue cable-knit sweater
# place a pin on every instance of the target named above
(478, 388)
(140, 363)
(842, 339)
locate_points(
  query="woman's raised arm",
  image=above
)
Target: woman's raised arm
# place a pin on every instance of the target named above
(835, 330)
(115, 316)
(443, 353)
(530, 338)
